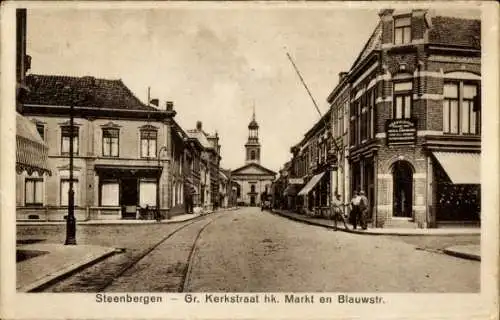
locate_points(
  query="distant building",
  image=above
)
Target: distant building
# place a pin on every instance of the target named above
(207, 196)
(253, 178)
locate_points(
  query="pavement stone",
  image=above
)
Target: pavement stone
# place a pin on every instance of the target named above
(379, 231)
(59, 260)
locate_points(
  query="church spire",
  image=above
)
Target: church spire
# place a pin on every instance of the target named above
(253, 146)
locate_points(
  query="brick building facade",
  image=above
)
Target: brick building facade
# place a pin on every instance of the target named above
(414, 119)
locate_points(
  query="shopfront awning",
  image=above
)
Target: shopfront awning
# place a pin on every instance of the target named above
(31, 150)
(310, 185)
(461, 167)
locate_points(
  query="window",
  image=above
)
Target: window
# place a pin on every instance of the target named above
(459, 112)
(148, 143)
(64, 191)
(147, 193)
(252, 188)
(110, 142)
(469, 115)
(41, 130)
(402, 100)
(252, 155)
(450, 108)
(33, 192)
(110, 191)
(402, 30)
(372, 109)
(65, 139)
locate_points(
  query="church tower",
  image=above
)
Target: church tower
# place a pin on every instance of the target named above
(253, 146)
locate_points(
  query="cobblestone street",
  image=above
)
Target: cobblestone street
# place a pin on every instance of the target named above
(254, 251)
(251, 251)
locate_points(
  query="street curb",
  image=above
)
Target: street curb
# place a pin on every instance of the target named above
(97, 223)
(368, 232)
(463, 255)
(50, 279)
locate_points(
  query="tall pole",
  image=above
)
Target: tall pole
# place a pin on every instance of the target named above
(310, 95)
(70, 220)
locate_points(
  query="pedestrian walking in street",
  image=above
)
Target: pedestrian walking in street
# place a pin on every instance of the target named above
(354, 215)
(363, 210)
(337, 212)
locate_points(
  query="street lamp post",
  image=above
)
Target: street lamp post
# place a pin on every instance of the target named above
(70, 219)
(158, 183)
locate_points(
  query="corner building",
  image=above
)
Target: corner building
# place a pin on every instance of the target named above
(414, 120)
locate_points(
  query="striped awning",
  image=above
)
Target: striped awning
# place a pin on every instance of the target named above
(310, 185)
(31, 150)
(461, 167)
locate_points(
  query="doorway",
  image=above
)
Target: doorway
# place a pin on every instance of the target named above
(402, 175)
(252, 201)
(129, 197)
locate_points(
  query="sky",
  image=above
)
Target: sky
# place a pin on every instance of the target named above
(215, 63)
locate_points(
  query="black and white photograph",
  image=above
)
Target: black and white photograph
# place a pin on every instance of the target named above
(227, 152)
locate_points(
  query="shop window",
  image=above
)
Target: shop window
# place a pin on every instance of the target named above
(460, 112)
(148, 143)
(402, 100)
(65, 139)
(33, 192)
(147, 193)
(110, 142)
(402, 30)
(110, 191)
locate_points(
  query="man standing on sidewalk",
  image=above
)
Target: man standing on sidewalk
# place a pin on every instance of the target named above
(363, 209)
(354, 215)
(337, 212)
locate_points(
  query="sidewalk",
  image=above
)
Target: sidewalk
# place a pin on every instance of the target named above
(174, 219)
(379, 231)
(54, 261)
(46, 263)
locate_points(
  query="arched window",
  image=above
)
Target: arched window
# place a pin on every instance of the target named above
(252, 155)
(252, 188)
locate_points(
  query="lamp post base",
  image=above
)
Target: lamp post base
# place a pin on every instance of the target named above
(70, 231)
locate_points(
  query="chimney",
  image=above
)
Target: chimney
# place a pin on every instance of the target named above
(170, 106)
(198, 125)
(342, 76)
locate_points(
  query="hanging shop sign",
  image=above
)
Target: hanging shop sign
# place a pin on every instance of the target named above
(295, 181)
(401, 131)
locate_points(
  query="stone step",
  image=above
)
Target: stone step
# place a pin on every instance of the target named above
(400, 223)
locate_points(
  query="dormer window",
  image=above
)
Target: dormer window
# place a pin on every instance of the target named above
(402, 30)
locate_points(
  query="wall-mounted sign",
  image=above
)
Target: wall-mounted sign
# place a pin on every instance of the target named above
(295, 181)
(401, 131)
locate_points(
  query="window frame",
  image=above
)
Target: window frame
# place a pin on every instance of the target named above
(103, 182)
(402, 28)
(148, 139)
(109, 141)
(403, 94)
(40, 127)
(460, 84)
(35, 181)
(76, 139)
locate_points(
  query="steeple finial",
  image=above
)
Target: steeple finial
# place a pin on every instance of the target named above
(253, 115)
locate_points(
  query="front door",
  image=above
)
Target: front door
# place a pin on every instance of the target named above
(402, 189)
(252, 201)
(129, 198)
